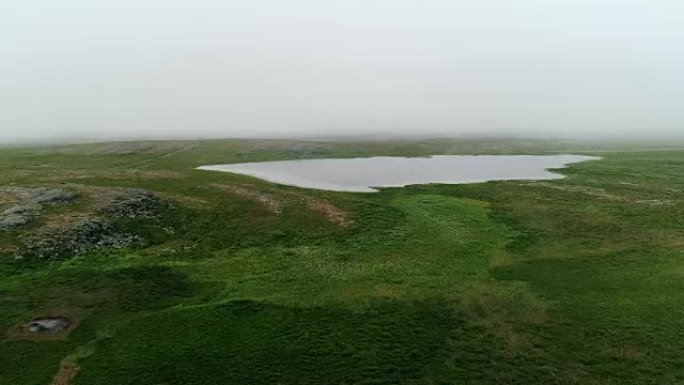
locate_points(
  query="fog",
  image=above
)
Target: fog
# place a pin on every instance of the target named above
(96, 70)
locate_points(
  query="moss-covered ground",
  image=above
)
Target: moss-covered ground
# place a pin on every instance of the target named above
(572, 281)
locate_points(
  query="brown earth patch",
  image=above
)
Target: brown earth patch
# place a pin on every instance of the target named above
(113, 174)
(664, 238)
(18, 173)
(331, 212)
(625, 352)
(119, 148)
(276, 203)
(64, 220)
(388, 291)
(65, 374)
(269, 201)
(7, 198)
(655, 202)
(184, 200)
(7, 249)
(499, 258)
(382, 291)
(141, 174)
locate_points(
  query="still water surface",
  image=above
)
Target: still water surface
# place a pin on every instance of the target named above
(363, 174)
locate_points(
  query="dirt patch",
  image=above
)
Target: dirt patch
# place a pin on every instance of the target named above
(113, 174)
(379, 291)
(7, 249)
(499, 258)
(65, 220)
(7, 198)
(65, 375)
(276, 203)
(655, 202)
(69, 366)
(188, 201)
(269, 201)
(119, 148)
(143, 174)
(625, 352)
(331, 212)
(664, 238)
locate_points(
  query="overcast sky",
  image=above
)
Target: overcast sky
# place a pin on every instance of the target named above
(95, 69)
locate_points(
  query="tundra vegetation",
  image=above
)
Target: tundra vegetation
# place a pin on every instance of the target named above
(120, 263)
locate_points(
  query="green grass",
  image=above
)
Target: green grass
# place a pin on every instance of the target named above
(574, 281)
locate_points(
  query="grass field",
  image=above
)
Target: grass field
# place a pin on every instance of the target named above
(572, 281)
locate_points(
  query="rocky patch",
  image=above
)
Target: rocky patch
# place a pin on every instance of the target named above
(28, 202)
(133, 203)
(93, 234)
(93, 227)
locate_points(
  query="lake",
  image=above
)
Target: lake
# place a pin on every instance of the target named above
(367, 174)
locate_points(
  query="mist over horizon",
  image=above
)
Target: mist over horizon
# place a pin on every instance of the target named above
(636, 141)
(79, 71)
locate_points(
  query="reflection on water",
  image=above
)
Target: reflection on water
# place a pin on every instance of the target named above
(362, 174)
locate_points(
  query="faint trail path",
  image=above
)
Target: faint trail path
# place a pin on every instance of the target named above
(176, 152)
(66, 373)
(169, 154)
(69, 367)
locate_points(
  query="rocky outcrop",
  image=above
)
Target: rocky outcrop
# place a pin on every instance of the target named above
(30, 202)
(88, 236)
(133, 203)
(93, 229)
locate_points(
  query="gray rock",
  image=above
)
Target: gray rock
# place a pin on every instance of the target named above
(40, 195)
(45, 195)
(98, 230)
(31, 204)
(88, 236)
(18, 215)
(135, 203)
(48, 325)
(12, 221)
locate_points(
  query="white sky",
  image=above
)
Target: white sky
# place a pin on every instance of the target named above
(95, 69)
